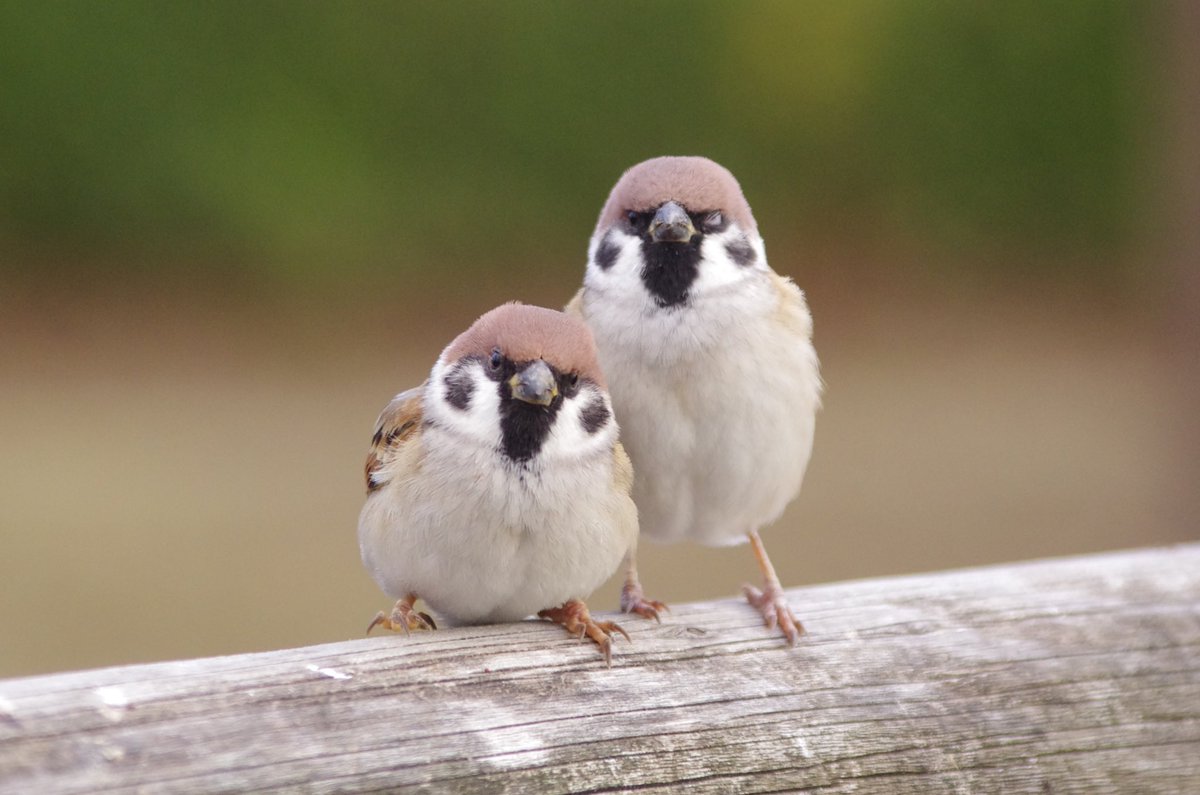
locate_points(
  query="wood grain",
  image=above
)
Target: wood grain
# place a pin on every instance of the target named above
(1078, 675)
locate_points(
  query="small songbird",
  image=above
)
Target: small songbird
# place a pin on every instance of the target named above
(710, 363)
(498, 488)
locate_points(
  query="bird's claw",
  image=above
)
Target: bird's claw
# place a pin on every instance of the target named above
(574, 617)
(775, 610)
(403, 617)
(634, 601)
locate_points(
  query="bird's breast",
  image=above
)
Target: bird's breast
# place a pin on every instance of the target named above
(719, 438)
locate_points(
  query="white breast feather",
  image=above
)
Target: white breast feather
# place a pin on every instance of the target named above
(716, 399)
(482, 540)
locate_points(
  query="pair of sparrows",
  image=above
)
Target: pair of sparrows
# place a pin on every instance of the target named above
(499, 488)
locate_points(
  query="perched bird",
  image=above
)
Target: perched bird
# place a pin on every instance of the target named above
(498, 488)
(710, 364)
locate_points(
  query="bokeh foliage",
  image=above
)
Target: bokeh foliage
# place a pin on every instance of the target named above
(309, 139)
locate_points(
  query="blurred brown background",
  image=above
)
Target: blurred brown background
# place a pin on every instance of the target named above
(229, 233)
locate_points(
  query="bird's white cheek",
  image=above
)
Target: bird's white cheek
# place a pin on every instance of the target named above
(615, 263)
(478, 418)
(573, 436)
(718, 269)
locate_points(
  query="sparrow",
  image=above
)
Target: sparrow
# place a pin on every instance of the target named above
(498, 488)
(710, 364)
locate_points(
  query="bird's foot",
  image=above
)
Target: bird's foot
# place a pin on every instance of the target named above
(403, 617)
(574, 617)
(773, 605)
(634, 601)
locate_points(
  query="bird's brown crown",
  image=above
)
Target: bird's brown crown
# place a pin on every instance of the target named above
(697, 183)
(523, 333)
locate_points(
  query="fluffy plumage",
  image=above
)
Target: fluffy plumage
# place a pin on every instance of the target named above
(708, 356)
(498, 488)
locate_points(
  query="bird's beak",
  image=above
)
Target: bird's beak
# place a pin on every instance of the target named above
(671, 224)
(535, 384)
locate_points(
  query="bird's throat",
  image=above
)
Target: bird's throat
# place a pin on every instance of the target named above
(669, 269)
(525, 427)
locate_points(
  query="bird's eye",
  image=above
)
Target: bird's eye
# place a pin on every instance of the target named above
(572, 384)
(631, 217)
(714, 222)
(496, 360)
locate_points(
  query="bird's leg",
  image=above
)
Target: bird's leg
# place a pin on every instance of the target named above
(771, 601)
(632, 598)
(573, 616)
(404, 617)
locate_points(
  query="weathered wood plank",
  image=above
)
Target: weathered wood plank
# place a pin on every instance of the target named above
(1079, 675)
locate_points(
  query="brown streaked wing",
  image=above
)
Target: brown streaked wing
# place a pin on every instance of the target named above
(400, 419)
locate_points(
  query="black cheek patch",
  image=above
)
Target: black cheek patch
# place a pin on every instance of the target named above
(459, 387)
(740, 251)
(607, 252)
(595, 415)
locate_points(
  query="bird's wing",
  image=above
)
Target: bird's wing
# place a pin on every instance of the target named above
(397, 425)
(575, 307)
(622, 469)
(793, 311)
(793, 315)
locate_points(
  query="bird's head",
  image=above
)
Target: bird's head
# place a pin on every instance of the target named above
(673, 228)
(525, 381)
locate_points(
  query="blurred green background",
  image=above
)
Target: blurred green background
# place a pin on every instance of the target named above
(229, 232)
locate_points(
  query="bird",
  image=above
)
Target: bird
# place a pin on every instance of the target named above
(499, 488)
(710, 364)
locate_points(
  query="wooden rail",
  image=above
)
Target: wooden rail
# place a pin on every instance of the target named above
(1077, 675)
